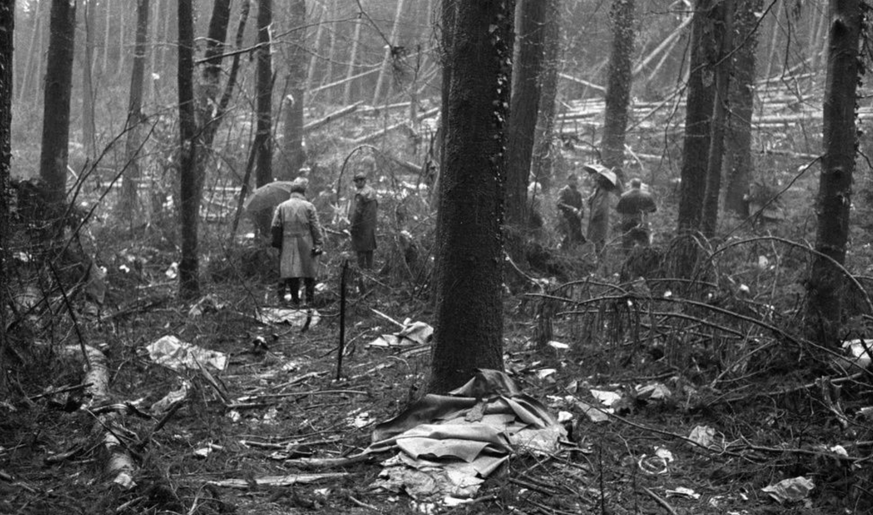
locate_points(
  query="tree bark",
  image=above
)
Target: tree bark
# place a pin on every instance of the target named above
(56, 114)
(723, 15)
(353, 58)
(825, 284)
(619, 80)
(33, 51)
(543, 160)
(264, 86)
(738, 142)
(7, 25)
(190, 182)
(313, 61)
(698, 119)
(128, 205)
(469, 251)
(524, 104)
(89, 131)
(293, 154)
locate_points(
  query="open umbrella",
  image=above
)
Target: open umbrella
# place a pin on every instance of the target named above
(268, 196)
(599, 169)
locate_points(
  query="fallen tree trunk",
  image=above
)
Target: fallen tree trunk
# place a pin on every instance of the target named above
(332, 117)
(378, 134)
(117, 462)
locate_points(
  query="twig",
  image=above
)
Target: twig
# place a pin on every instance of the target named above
(363, 504)
(660, 501)
(61, 390)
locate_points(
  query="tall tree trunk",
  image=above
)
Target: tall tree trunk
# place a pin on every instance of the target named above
(618, 85)
(154, 62)
(738, 139)
(34, 50)
(468, 332)
(825, 284)
(106, 32)
(313, 61)
(528, 60)
(293, 153)
(331, 49)
(698, 119)
(7, 25)
(542, 160)
(389, 53)
(353, 58)
(264, 86)
(210, 109)
(190, 182)
(56, 114)
(129, 205)
(723, 15)
(89, 131)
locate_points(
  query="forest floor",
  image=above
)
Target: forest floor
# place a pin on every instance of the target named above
(268, 434)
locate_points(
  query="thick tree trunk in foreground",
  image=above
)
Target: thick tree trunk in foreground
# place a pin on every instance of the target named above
(468, 331)
(618, 84)
(189, 282)
(723, 15)
(527, 63)
(698, 119)
(825, 284)
(56, 106)
(738, 163)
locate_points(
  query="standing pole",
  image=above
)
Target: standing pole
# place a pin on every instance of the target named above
(342, 317)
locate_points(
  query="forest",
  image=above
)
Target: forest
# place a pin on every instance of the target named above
(436, 256)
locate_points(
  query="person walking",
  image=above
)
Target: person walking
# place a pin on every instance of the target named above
(363, 219)
(297, 233)
(571, 208)
(634, 207)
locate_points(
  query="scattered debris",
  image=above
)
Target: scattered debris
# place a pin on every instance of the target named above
(173, 353)
(410, 334)
(293, 317)
(450, 443)
(790, 490)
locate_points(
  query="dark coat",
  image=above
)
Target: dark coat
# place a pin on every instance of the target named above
(363, 220)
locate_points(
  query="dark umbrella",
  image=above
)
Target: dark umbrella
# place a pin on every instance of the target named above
(268, 197)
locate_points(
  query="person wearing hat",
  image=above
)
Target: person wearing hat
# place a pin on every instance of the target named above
(598, 203)
(571, 208)
(363, 219)
(634, 207)
(297, 234)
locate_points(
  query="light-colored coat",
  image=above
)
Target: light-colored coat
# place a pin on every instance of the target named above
(301, 232)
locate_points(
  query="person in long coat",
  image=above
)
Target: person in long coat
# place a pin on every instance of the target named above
(571, 208)
(363, 221)
(297, 233)
(598, 205)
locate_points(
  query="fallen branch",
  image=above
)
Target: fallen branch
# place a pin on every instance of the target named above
(332, 117)
(292, 479)
(118, 464)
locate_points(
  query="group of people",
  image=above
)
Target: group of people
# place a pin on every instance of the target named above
(297, 233)
(634, 206)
